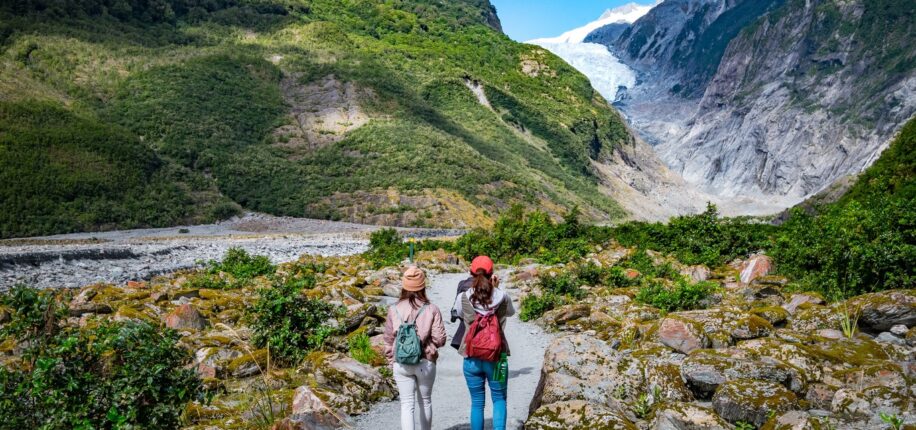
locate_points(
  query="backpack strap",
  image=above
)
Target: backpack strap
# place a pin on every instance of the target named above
(420, 312)
(398, 313)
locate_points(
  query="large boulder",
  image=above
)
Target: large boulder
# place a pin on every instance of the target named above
(568, 313)
(752, 400)
(706, 370)
(185, 317)
(580, 367)
(80, 309)
(750, 327)
(881, 311)
(797, 300)
(682, 335)
(697, 273)
(794, 354)
(686, 416)
(212, 362)
(871, 401)
(577, 415)
(755, 267)
(310, 412)
(355, 385)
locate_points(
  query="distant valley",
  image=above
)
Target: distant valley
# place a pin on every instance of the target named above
(757, 104)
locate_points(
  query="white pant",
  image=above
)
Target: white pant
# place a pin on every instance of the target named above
(412, 379)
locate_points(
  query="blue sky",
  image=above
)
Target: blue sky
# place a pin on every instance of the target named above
(529, 19)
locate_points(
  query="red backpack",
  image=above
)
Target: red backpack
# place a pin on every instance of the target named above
(484, 340)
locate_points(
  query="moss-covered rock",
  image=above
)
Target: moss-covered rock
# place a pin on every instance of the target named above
(883, 310)
(577, 415)
(870, 401)
(796, 355)
(682, 335)
(686, 416)
(750, 327)
(875, 374)
(752, 400)
(775, 315)
(580, 367)
(706, 370)
(810, 317)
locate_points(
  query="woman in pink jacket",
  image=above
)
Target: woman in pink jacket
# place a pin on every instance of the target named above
(415, 378)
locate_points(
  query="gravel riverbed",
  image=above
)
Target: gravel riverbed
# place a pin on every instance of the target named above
(74, 260)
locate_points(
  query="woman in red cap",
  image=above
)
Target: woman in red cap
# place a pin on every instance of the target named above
(416, 373)
(485, 301)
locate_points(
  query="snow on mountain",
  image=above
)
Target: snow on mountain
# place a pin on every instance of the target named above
(595, 61)
(602, 68)
(627, 13)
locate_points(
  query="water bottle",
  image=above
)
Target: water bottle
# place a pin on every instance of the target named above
(502, 369)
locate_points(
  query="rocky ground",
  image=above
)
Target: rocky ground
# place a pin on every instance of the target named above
(250, 389)
(754, 356)
(75, 260)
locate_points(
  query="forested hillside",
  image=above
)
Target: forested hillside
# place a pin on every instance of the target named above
(180, 111)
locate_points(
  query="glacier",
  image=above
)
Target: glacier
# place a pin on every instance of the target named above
(606, 72)
(598, 64)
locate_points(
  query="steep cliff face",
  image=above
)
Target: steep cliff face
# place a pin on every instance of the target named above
(802, 97)
(682, 41)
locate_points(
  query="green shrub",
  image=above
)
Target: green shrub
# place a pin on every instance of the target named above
(34, 315)
(114, 375)
(535, 305)
(388, 248)
(850, 249)
(642, 262)
(697, 239)
(681, 295)
(563, 284)
(518, 235)
(242, 265)
(289, 323)
(361, 349)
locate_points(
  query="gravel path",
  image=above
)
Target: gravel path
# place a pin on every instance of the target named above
(451, 402)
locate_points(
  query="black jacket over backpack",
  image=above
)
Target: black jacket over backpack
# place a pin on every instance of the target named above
(459, 334)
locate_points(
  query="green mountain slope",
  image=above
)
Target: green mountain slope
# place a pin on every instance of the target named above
(403, 112)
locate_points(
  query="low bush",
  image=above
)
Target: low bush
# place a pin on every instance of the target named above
(518, 235)
(535, 305)
(698, 239)
(388, 248)
(113, 375)
(242, 267)
(680, 294)
(361, 349)
(288, 322)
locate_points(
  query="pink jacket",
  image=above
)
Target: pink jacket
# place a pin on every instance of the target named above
(430, 329)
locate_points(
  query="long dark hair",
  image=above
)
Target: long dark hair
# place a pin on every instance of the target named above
(483, 289)
(416, 298)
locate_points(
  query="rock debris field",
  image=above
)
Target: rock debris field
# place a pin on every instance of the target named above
(75, 260)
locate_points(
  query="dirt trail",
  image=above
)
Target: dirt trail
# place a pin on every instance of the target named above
(451, 402)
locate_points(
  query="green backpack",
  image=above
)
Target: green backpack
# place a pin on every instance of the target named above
(407, 346)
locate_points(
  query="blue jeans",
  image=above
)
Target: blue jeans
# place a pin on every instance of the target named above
(478, 373)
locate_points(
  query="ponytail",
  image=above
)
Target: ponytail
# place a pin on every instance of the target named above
(482, 289)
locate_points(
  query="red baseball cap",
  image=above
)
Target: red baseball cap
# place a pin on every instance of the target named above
(482, 262)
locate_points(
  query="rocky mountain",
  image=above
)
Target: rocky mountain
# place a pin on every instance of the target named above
(770, 100)
(129, 114)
